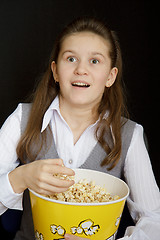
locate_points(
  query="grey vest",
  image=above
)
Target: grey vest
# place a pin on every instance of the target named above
(93, 162)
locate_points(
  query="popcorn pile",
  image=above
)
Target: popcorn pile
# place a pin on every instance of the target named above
(83, 192)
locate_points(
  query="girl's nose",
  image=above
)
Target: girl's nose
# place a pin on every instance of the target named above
(81, 69)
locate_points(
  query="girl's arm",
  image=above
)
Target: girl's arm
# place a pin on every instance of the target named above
(9, 137)
(144, 199)
(37, 175)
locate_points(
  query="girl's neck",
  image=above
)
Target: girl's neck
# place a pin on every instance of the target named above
(77, 117)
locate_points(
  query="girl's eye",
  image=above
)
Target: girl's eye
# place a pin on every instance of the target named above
(71, 59)
(94, 61)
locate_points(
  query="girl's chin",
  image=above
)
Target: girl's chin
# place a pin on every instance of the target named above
(80, 102)
(75, 100)
(83, 104)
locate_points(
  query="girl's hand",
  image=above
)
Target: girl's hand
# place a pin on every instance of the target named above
(38, 176)
(72, 237)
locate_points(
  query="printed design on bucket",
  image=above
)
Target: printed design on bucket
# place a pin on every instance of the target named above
(58, 229)
(38, 236)
(118, 220)
(87, 227)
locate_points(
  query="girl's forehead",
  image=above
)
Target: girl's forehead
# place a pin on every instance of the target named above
(85, 41)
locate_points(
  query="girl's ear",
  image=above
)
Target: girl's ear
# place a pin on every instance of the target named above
(54, 71)
(112, 77)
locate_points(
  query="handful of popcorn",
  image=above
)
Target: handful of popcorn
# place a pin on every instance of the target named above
(83, 191)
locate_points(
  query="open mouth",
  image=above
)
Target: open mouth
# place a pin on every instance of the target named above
(80, 84)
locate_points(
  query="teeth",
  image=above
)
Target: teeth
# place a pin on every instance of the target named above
(80, 84)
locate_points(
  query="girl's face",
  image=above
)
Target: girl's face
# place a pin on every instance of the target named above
(83, 69)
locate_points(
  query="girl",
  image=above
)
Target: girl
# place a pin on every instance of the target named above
(77, 119)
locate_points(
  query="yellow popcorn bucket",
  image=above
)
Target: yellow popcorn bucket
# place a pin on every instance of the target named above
(97, 221)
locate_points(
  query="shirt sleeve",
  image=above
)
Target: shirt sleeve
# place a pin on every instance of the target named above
(9, 136)
(144, 198)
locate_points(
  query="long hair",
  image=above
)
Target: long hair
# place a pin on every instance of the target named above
(47, 89)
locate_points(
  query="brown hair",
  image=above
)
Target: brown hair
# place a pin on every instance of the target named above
(112, 100)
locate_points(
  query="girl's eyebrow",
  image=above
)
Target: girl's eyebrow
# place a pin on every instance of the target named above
(92, 53)
(68, 51)
(98, 53)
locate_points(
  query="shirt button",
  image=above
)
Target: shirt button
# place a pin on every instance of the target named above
(70, 161)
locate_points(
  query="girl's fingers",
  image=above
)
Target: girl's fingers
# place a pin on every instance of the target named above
(54, 166)
(53, 169)
(39, 176)
(54, 181)
(57, 161)
(46, 189)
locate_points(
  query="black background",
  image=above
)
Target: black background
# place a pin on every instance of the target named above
(28, 29)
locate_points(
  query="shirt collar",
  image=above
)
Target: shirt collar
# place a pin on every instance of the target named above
(49, 113)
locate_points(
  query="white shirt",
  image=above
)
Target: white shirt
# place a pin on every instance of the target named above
(144, 199)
